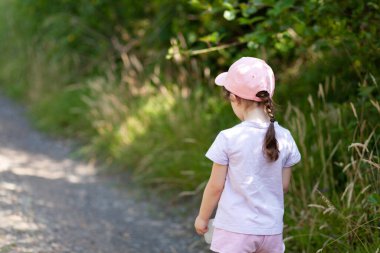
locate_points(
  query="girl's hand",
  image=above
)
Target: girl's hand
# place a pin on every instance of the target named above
(201, 225)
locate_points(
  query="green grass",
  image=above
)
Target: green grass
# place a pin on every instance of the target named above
(7, 248)
(161, 138)
(143, 122)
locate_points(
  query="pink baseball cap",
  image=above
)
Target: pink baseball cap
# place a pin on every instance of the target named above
(246, 77)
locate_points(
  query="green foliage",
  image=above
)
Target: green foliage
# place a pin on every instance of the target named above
(61, 112)
(291, 27)
(293, 33)
(97, 71)
(338, 176)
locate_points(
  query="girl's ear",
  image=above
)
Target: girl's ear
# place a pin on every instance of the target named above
(233, 98)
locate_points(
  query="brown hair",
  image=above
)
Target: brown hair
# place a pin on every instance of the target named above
(270, 145)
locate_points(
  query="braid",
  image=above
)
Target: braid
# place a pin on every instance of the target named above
(270, 146)
(269, 109)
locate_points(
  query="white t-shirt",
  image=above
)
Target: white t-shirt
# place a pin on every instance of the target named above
(252, 201)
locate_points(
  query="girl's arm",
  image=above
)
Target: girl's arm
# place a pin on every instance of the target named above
(211, 196)
(286, 175)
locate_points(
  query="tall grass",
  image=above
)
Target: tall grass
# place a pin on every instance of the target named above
(161, 137)
(37, 71)
(334, 204)
(158, 133)
(156, 120)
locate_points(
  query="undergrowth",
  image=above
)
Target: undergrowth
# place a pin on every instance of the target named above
(157, 122)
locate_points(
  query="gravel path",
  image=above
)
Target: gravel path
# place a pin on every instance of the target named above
(50, 202)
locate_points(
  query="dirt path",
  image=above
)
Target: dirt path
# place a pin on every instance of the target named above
(52, 203)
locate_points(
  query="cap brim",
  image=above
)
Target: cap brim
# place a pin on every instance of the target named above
(220, 80)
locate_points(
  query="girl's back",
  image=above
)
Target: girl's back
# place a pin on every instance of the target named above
(252, 199)
(251, 169)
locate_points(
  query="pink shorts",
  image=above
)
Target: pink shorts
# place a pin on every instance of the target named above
(228, 242)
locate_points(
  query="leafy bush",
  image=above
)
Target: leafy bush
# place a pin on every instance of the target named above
(97, 71)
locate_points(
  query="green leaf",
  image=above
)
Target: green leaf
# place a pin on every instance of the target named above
(299, 25)
(365, 91)
(258, 37)
(229, 15)
(250, 21)
(213, 38)
(280, 7)
(191, 37)
(374, 199)
(247, 10)
(199, 5)
(252, 45)
(228, 5)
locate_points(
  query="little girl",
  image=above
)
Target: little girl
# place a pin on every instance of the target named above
(251, 170)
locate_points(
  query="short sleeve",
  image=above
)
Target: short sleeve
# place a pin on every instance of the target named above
(294, 155)
(218, 150)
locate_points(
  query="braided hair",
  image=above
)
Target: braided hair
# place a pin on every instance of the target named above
(270, 146)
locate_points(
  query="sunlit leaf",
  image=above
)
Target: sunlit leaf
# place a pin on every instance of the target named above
(250, 21)
(229, 15)
(213, 38)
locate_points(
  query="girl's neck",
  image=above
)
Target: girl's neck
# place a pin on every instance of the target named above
(256, 114)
